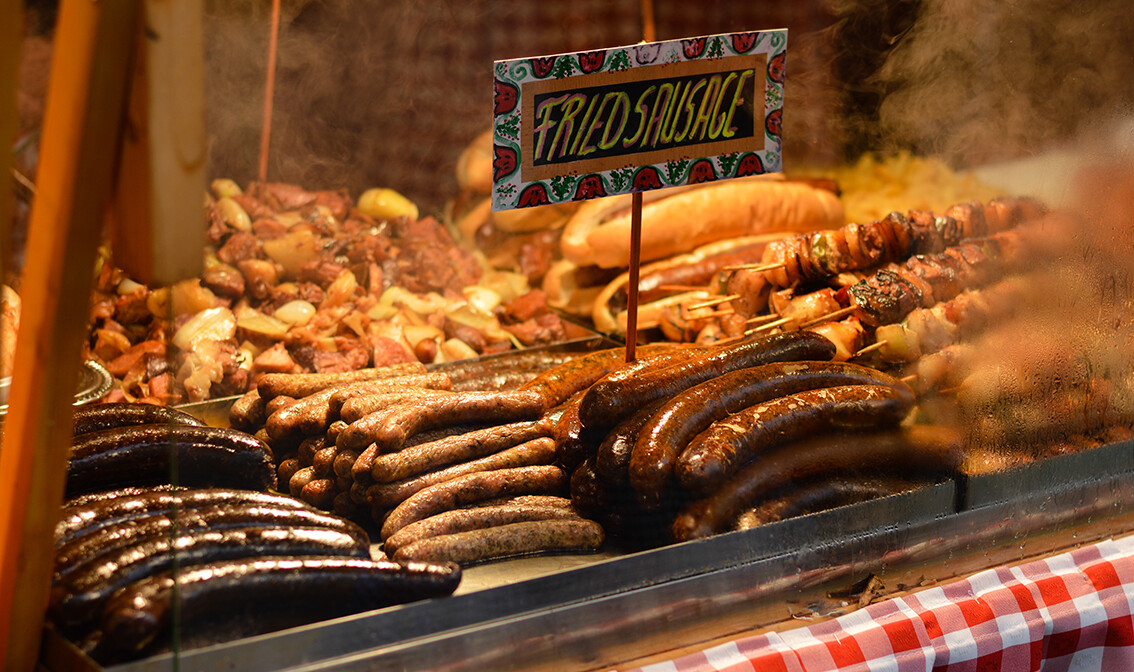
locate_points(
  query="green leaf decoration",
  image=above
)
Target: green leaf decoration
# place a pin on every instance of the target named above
(619, 179)
(564, 67)
(726, 162)
(561, 186)
(620, 61)
(716, 48)
(674, 170)
(510, 127)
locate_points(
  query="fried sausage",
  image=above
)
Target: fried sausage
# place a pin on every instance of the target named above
(920, 450)
(389, 429)
(324, 460)
(504, 541)
(360, 407)
(472, 488)
(299, 385)
(145, 454)
(605, 404)
(425, 457)
(320, 493)
(247, 413)
(572, 442)
(667, 433)
(215, 599)
(109, 538)
(423, 381)
(535, 452)
(98, 417)
(819, 495)
(558, 384)
(475, 518)
(612, 458)
(77, 600)
(716, 453)
(83, 514)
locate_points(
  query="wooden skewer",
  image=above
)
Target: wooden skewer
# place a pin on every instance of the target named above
(682, 288)
(762, 318)
(714, 301)
(871, 348)
(833, 315)
(908, 379)
(755, 266)
(770, 325)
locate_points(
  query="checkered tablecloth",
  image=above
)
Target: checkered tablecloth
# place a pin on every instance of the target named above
(1067, 613)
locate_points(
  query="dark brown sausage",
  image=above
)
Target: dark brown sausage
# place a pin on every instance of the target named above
(612, 458)
(299, 385)
(531, 453)
(424, 457)
(472, 488)
(323, 462)
(679, 420)
(557, 385)
(299, 480)
(320, 493)
(99, 417)
(306, 417)
(607, 403)
(247, 412)
(211, 598)
(286, 470)
(716, 453)
(475, 518)
(504, 541)
(820, 494)
(572, 443)
(917, 450)
(389, 429)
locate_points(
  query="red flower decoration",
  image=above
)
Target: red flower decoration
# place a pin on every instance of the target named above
(693, 48)
(541, 67)
(749, 164)
(742, 42)
(774, 122)
(647, 178)
(592, 61)
(701, 171)
(590, 186)
(532, 195)
(504, 162)
(504, 98)
(777, 68)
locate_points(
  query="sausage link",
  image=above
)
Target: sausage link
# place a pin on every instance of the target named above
(503, 541)
(100, 417)
(360, 407)
(307, 449)
(344, 462)
(389, 429)
(286, 470)
(531, 453)
(306, 417)
(247, 412)
(276, 404)
(612, 458)
(299, 480)
(679, 420)
(472, 488)
(417, 381)
(476, 518)
(572, 442)
(323, 462)
(320, 493)
(558, 384)
(716, 453)
(299, 385)
(605, 404)
(920, 450)
(333, 431)
(425, 457)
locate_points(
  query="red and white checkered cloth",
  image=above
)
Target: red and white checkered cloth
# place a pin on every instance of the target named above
(1068, 613)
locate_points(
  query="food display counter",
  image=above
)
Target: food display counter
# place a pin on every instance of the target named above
(893, 386)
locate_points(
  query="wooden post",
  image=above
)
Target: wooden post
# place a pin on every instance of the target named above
(10, 30)
(94, 42)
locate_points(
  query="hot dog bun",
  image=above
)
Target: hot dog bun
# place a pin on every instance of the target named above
(676, 221)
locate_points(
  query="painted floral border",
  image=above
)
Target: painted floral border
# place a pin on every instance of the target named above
(509, 191)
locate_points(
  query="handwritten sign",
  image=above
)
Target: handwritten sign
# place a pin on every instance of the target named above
(630, 119)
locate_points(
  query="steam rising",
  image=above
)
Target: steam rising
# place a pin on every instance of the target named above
(981, 80)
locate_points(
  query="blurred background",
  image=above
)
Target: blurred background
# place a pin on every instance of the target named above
(388, 93)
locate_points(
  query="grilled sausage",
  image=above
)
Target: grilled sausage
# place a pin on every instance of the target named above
(299, 385)
(612, 458)
(504, 541)
(145, 454)
(360, 407)
(472, 488)
(460, 448)
(421, 381)
(535, 452)
(226, 600)
(819, 495)
(667, 433)
(98, 417)
(77, 600)
(915, 450)
(389, 429)
(105, 539)
(475, 518)
(720, 450)
(82, 514)
(248, 412)
(557, 385)
(607, 403)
